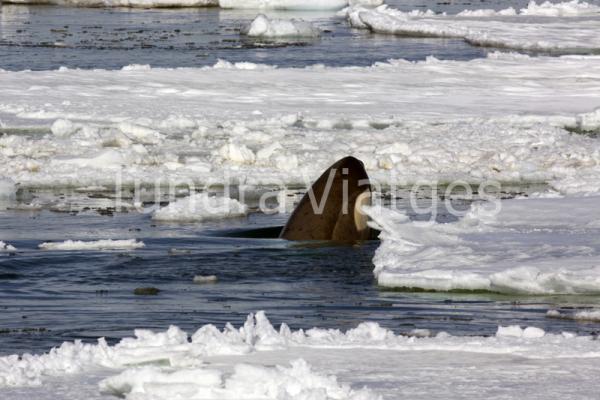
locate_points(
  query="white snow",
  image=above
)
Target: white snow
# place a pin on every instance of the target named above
(4, 247)
(500, 117)
(285, 4)
(572, 28)
(532, 246)
(265, 27)
(257, 360)
(592, 315)
(201, 207)
(121, 3)
(201, 279)
(250, 382)
(107, 244)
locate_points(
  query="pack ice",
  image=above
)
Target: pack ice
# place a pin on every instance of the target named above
(259, 361)
(569, 27)
(507, 117)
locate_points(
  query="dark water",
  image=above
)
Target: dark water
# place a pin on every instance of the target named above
(47, 37)
(47, 297)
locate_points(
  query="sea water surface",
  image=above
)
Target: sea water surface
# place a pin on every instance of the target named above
(39, 37)
(49, 297)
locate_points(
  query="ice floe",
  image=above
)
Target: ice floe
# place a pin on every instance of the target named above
(578, 315)
(507, 117)
(531, 246)
(260, 361)
(78, 245)
(201, 207)
(5, 247)
(265, 27)
(572, 27)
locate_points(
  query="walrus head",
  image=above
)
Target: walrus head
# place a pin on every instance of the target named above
(331, 209)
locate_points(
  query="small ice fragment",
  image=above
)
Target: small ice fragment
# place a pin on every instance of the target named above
(5, 247)
(265, 27)
(200, 279)
(108, 244)
(201, 207)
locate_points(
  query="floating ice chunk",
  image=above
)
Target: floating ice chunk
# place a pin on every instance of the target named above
(4, 247)
(200, 279)
(265, 27)
(140, 134)
(78, 245)
(224, 64)
(505, 28)
(201, 207)
(517, 331)
(532, 246)
(237, 153)
(63, 128)
(583, 315)
(285, 4)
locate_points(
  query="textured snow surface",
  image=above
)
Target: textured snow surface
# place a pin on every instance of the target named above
(532, 246)
(563, 27)
(200, 207)
(258, 361)
(108, 244)
(502, 118)
(265, 27)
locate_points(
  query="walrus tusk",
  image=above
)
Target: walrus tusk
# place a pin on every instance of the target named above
(331, 209)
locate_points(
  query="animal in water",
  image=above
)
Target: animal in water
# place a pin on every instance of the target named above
(331, 209)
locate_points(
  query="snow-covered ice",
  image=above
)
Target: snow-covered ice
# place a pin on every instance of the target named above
(592, 315)
(250, 382)
(502, 117)
(563, 27)
(285, 4)
(201, 207)
(106, 244)
(368, 362)
(265, 27)
(532, 246)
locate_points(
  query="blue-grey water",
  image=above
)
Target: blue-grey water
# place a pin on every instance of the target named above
(48, 37)
(49, 297)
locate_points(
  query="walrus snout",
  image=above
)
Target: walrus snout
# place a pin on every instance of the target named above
(332, 207)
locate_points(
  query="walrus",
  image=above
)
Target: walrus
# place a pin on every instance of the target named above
(331, 209)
